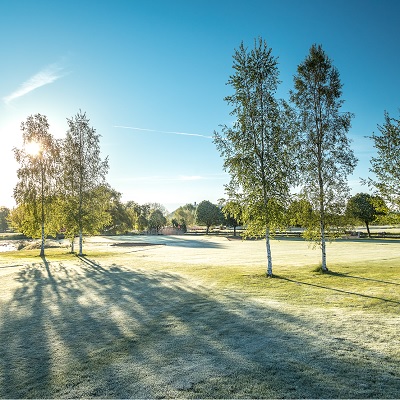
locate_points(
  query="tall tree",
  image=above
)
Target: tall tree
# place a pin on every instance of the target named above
(326, 157)
(208, 214)
(385, 165)
(83, 182)
(258, 149)
(38, 169)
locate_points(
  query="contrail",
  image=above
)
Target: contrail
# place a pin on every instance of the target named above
(43, 77)
(154, 130)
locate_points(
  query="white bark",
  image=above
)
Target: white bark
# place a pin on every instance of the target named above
(269, 256)
(323, 250)
(42, 244)
(80, 243)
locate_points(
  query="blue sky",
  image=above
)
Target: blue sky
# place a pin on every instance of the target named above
(162, 66)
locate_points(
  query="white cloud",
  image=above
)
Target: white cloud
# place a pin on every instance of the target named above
(154, 130)
(44, 77)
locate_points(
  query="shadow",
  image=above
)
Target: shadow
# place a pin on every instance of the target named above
(11, 266)
(346, 275)
(178, 241)
(335, 289)
(366, 240)
(52, 281)
(91, 329)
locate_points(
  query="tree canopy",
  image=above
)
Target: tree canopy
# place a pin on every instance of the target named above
(385, 166)
(156, 220)
(4, 214)
(365, 208)
(208, 214)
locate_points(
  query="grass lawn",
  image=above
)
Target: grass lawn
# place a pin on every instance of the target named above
(195, 317)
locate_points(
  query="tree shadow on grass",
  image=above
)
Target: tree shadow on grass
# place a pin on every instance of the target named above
(97, 330)
(339, 290)
(177, 241)
(347, 275)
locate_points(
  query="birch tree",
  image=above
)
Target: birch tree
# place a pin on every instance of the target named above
(386, 164)
(326, 156)
(38, 169)
(258, 149)
(85, 193)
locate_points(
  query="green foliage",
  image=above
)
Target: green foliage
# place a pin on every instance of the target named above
(385, 165)
(301, 213)
(365, 208)
(157, 206)
(232, 211)
(4, 213)
(121, 219)
(138, 215)
(326, 157)
(208, 214)
(24, 218)
(156, 220)
(184, 216)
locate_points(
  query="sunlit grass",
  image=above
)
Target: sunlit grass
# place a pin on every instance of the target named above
(373, 286)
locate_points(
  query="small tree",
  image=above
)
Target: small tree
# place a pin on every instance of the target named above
(364, 207)
(326, 156)
(208, 214)
(385, 165)
(157, 220)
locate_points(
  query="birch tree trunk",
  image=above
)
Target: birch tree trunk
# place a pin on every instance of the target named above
(42, 203)
(269, 256)
(42, 244)
(323, 248)
(80, 243)
(321, 209)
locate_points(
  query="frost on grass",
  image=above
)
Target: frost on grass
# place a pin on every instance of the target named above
(126, 326)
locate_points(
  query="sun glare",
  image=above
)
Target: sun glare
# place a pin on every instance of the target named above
(32, 148)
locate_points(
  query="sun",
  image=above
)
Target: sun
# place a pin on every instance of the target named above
(33, 148)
